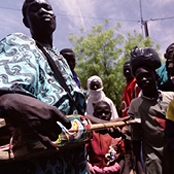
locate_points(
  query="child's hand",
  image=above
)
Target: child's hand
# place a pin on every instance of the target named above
(115, 132)
(126, 131)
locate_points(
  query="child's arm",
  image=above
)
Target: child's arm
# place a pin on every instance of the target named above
(136, 136)
(137, 153)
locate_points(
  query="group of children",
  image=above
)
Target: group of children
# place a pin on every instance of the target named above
(153, 139)
(142, 98)
(36, 97)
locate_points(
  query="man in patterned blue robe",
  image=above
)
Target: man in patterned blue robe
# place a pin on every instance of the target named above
(32, 99)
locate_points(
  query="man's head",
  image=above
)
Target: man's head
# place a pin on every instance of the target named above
(127, 72)
(94, 83)
(146, 78)
(169, 55)
(69, 55)
(102, 110)
(144, 62)
(39, 17)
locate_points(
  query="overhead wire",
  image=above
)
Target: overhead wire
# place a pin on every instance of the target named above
(76, 16)
(160, 19)
(9, 8)
(97, 18)
(88, 17)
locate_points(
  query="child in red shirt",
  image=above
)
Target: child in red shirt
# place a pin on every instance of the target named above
(103, 150)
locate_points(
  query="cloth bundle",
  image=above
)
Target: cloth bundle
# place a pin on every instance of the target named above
(144, 56)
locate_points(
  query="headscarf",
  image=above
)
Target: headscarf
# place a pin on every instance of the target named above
(144, 57)
(95, 95)
(98, 95)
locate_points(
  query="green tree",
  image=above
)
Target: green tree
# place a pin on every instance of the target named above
(102, 52)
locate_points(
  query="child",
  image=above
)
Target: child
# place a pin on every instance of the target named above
(103, 150)
(166, 71)
(151, 108)
(130, 92)
(131, 89)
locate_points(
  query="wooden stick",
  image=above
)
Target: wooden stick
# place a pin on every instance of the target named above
(22, 154)
(101, 126)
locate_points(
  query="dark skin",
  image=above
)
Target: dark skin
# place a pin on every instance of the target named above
(114, 132)
(95, 84)
(31, 114)
(168, 84)
(70, 57)
(127, 72)
(169, 55)
(125, 162)
(102, 111)
(41, 21)
(146, 80)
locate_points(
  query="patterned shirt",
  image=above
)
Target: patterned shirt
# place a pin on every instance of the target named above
(24, 69)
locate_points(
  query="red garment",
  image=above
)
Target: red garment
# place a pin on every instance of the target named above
(99, 147)
(109, 170)
(130, 92)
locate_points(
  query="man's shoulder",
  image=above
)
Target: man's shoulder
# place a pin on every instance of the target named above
(134, 105)
(17, 47)
(17, 38)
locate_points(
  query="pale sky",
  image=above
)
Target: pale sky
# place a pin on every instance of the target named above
(75, 14)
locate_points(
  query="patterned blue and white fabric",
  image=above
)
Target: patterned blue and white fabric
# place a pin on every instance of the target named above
(24, 69)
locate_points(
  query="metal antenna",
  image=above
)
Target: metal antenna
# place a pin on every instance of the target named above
(141, 16)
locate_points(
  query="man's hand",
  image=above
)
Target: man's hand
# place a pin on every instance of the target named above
(36, 117)
(115, 132)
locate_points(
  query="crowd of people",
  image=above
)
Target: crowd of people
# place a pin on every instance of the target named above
(39, 88)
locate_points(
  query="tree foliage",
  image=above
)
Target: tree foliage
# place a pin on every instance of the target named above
(102, 52)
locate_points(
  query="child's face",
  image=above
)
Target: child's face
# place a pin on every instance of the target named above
(127, 72)
(146, 78)
(102, 111)
(170, 61)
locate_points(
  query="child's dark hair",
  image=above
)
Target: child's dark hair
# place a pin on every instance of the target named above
(99, 103)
